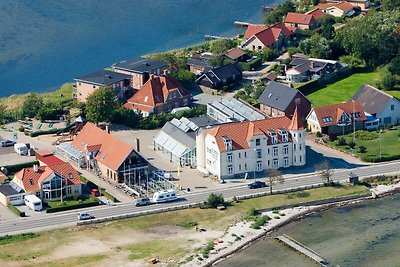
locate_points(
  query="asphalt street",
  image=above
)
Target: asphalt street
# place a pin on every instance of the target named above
(291, 181)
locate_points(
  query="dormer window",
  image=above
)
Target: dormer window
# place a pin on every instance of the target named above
(284, 135)
(274, 137)
(70, 176)
(227, 142)
(30, 181)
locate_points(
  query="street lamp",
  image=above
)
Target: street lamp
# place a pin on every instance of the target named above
(380, 143)
(254, 173)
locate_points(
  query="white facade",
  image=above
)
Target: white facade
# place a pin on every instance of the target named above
(262, 154)
(390, 114)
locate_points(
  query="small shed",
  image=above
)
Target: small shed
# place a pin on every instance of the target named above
(353, 178)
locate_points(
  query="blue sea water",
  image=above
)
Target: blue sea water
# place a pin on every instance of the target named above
(45, 43)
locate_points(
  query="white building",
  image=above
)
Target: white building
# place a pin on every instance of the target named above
(234, 149)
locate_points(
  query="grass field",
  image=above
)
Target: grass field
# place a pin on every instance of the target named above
(141, 238)
(383, 145)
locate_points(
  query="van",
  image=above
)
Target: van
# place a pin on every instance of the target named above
(164, 196)
(21, 149)
(33, 202)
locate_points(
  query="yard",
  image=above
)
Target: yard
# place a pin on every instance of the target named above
(72, 202)
(134, 241)
(380, 147)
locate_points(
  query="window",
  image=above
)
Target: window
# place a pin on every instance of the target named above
(275, 162)
(300, 147)
(268, 151)
(294, 147)
(285, 138)
(240, 155)
(299, 135)
(259, 154)
(294, 159)
(76, 190)
(257, 141)
(228, 142)
(387, 120)
(245, 166)
(286, 150)
(300, 159)
(286, 162)
(69, 190)
(245, 154)
(240, 167)
(275, 151)
(70, 176)
(230, 170)
(259, 166)
(391, 107)
(268, 163)
(37, 194)
(229, 158)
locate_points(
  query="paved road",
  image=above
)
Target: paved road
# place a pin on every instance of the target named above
(291, 181)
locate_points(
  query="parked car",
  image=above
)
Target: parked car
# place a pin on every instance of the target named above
(85, 216)
(6, 143)
(142, 202)
(256, 184)
(95, 192)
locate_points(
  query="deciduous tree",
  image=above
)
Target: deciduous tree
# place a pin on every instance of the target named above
(324, 171)
(274, 176)
(100, 105)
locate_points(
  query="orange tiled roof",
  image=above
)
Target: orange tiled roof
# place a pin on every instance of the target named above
(253, 29)
(298, 18)
(68, 172)
(30, 178)
(296, 123)
(336, 110)
(287, 30)
(316, 13)
(344, 6)
(241, 132)
(155, 92)
(269, 36)
(112, 152)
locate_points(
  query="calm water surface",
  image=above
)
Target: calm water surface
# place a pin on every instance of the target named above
(365, 235)
(45, 43)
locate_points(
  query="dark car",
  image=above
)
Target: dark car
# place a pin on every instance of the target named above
(142, 202)
(6, 143)
(256, 184)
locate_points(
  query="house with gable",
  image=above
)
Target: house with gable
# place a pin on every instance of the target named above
(239, 148)
(340, 9)
(279, 100)
(218, 77)
(301, 21)
(382, 107)
(337, 119)
(105, 155)
(88, 84)
(259, 36)
(159, 94)
(140, 69)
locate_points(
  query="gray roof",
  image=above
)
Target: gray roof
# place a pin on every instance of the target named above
(222, 73)
(373, 100)
(198, 62)
(8, 190)
(302, 68)
(103, 77)
(277, 95)
(203, 121)
(237, 110)
(188, 139)
(298, 61)
(140, 65)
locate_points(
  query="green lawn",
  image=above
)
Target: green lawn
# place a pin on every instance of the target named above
(384, 144)
(342, 90)
(71, 202)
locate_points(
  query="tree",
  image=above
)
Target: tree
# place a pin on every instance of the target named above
(274, 176)
(31, 106)
(278, 13)
(184, 76)
(316, 46)
(353, 62)
(388, 81)
(388, 5)
(214, 200)
(2, 112)
(394, 65)
(219, 47)
(100, 105)
(325, 171)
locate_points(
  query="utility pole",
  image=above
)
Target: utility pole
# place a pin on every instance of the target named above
(354, 121)
(380, 143)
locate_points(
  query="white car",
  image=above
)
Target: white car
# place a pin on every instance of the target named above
(85, 216)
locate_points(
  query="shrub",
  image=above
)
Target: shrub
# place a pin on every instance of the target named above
(366, 135)
(16, 211)
(332, 137)
(72, 207)
(362, 149)
(206, 250)
(277, 217)
(247, 66)
(238, 238)
(352, 145)
(251, 213)
(21, 129)
(260, 222)
(342, 141)
(7, 239)
(187, 224)
(303, 194)
(50, 131)
(318, 134)
(214, 200)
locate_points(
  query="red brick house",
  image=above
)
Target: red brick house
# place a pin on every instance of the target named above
(159, 94)
(301, 21)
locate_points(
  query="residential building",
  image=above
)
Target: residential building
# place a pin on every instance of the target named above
(221, 76)
(235, 149)
(177, 139)
(199, 63)
(337, 119)
(236, 54)
(159, 94)
(363, 4)
(383, 107)
(340, 9)
(91, 82)
(259, 36)
(230, 110)
(279, 100)
(10, 193)
(304, 68)
(316, 13)
(300, 21)
(46, 157)
(139, 69)
(105, 155)
(50, 182)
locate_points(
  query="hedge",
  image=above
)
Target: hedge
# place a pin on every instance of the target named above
(7, 239)
(251, 65)
(17, 167)
(15, 210)
(51, 131)
(72, 207)
(375, 159)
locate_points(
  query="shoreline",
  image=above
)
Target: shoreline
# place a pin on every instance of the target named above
(227, 249)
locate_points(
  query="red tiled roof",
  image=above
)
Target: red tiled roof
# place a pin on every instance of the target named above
(43, 153)
(345, 6)
(298, 18)
(66, 171)
(253, 29)
(155, 92)
(316, 13)
(336, 110)
(296, 123)
(113, 151)
(287, 30)
(268, 36)
(30, 178)
(50, 160)
(241, 132)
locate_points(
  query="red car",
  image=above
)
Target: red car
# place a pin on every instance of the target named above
(95, 192)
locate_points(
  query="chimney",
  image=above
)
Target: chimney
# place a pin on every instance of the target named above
(35, 168)
(137, 145)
